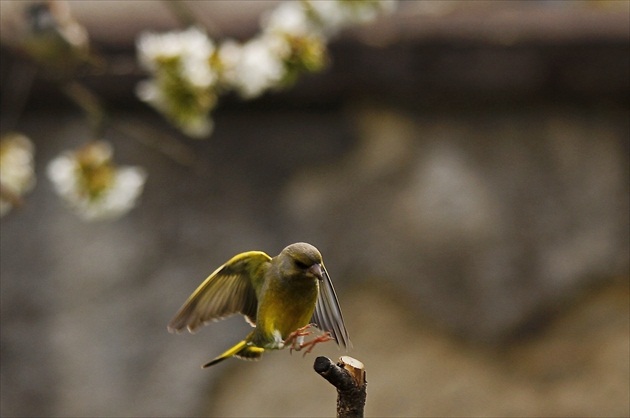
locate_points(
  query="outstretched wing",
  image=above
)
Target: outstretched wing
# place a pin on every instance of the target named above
(328, 315)
(230, 289)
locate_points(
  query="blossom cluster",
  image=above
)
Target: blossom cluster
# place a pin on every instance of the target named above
(189, 70)
(184, 82)
(17, 173)
(92, 185)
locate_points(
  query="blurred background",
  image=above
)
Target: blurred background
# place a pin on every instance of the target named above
(462, 166)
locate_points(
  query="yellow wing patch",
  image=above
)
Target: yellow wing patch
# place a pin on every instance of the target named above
(230, 289)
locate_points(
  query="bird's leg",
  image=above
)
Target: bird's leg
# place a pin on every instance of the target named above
(311, 344)
(296, 338)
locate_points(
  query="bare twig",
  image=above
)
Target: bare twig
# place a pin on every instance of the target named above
(348, 376)
(162, 142)
(90, 103)
(187, 17)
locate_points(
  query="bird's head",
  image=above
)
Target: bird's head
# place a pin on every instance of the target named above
(303, 260)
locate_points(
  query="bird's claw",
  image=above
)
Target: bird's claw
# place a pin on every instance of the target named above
(311, 344)
(296, 340)
(296, 337)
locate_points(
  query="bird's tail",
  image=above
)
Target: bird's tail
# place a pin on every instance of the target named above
(244, 350)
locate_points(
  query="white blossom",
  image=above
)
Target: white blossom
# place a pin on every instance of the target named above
(149, 91)
(260, 65)
(183, 80)
(191, 48)
(17, 174)
(288, 18)
(334, 15)
(229, 55)
(196, 124)
(199, 126)
(91, 185)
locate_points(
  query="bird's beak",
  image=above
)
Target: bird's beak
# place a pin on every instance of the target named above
(317, 270)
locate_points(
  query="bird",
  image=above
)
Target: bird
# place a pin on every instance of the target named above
(281, 297)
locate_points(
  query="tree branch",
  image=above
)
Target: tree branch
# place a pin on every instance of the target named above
(348, 376)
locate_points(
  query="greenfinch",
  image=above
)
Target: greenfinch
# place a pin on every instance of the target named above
(281, 297)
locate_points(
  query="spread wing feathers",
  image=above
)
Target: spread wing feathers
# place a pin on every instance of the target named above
(328, 315)
(230, 289)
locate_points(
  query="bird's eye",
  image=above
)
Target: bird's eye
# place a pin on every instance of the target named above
(300, 264)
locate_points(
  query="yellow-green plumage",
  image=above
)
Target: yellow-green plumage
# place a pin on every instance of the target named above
(277, 295)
